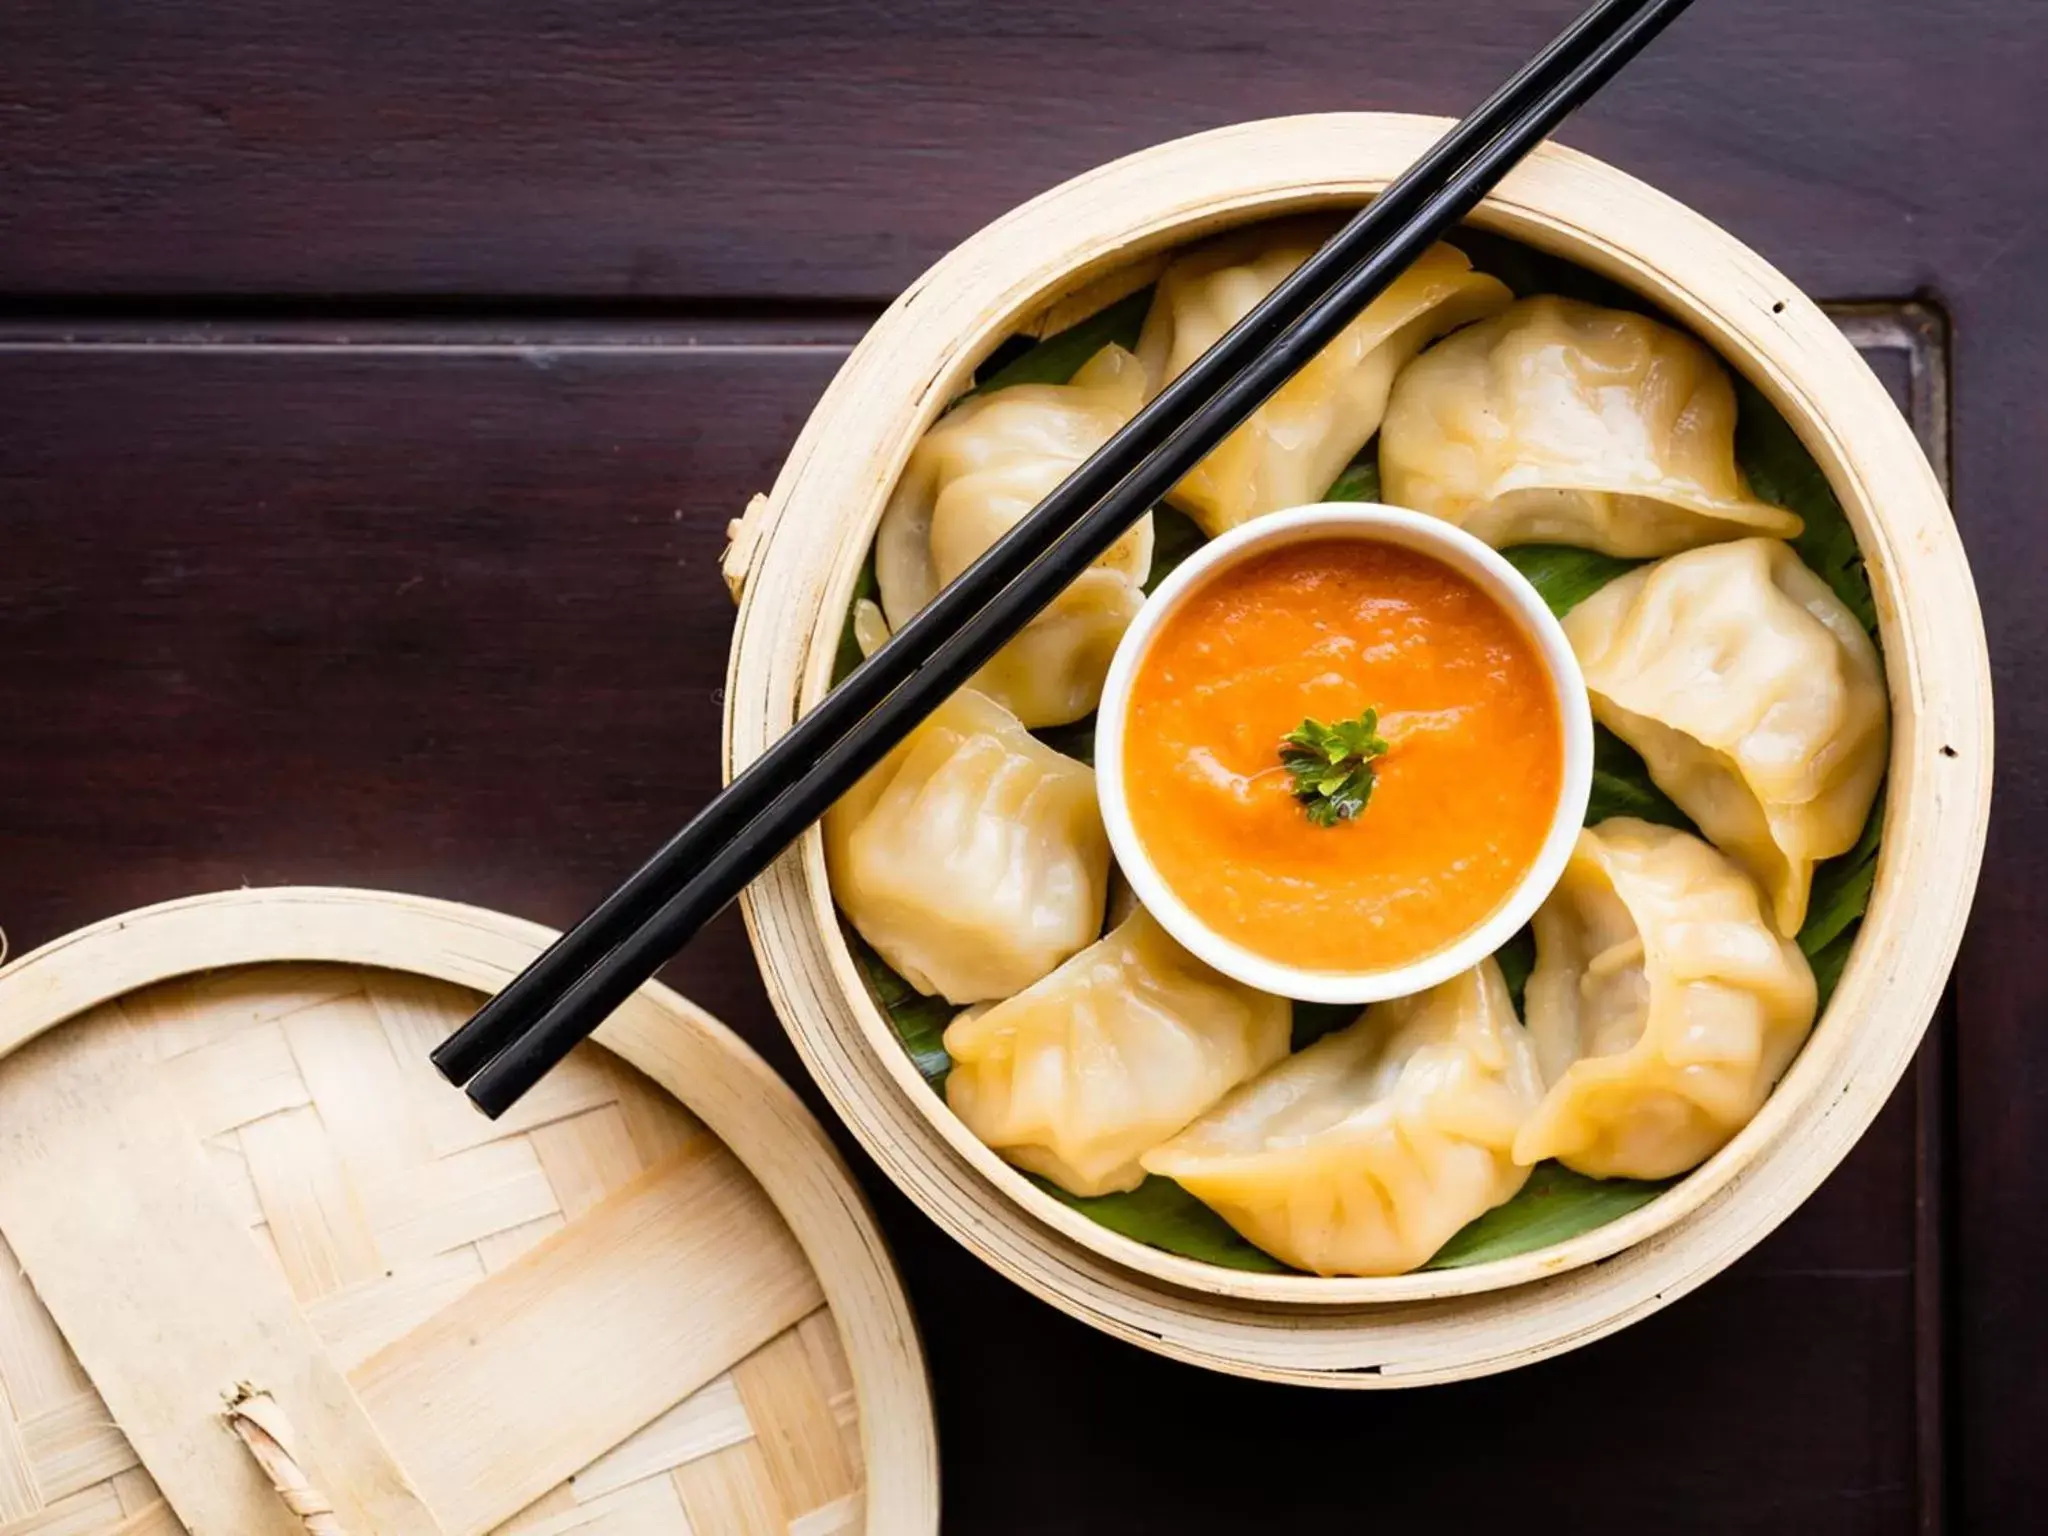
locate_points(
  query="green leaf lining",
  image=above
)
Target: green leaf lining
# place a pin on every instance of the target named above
(849, 654)
(1834, 912)
(1516, 959)
(1076, 741)
(919, 1021)
(1828, 960)
(1175, 536)
(1781, 471)
(1312, 1021)
(1528, 272)
(1059, 357)
(1361, 478)
(1160, 1214)
(1841, 887)
(1622, 786)
(1563, 576)
(1554, 1205)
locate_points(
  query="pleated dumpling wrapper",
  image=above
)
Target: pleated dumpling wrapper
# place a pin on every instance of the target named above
(1663, 1006)
(1364, 1153)
(1296, 445)
(1559, 422)
(1076, 1077)
(973, 477)
(973, 856)
(1755, 698)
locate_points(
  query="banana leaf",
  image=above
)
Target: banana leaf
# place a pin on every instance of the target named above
(1361, 478)
(1175, 536)
(848, 656)
(1160, 1214)
(1565, 577)
(1622, 786)
(919, 1021)
(1059, 357)
(1554, 1205)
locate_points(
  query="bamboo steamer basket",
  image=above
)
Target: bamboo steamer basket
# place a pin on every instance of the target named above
(794, 559)
(262, 1273)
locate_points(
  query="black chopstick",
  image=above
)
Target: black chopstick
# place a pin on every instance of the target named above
(469, 1049)
(516, 1037)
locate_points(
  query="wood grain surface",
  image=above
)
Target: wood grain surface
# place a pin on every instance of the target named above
(375, 385)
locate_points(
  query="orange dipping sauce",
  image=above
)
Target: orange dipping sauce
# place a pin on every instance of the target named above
(1327, 629)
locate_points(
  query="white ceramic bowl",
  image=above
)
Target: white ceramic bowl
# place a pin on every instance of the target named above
(1492, 575)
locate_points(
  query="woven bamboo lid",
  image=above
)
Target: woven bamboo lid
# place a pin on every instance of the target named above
(264, 1273)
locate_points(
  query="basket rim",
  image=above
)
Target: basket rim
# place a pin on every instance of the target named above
(1575, 206)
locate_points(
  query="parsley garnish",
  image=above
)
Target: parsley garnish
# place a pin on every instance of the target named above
(1332, 765)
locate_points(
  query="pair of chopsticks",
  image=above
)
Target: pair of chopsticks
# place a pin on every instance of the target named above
(558, 1000)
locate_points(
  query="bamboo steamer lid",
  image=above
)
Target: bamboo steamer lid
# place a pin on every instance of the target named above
(263, 1273)
(797, 552)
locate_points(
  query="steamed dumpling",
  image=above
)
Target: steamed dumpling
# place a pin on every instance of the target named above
(1297, 443)
(972, 857)
(1076, 1077)
(988, 462)
(1052, 673)
(1663, 1006)
(1559, 422)
(972, 478)
(1755, 698)
(1363, 1154)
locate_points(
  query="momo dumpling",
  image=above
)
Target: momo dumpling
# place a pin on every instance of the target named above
(972, 478)
(1663, 1005)
(1076, 1077)
(972, 857)
(1559, 422)
(1298, 442)
(1755, 698)
(988, 462)
(1052, 673)
(1364, 1153)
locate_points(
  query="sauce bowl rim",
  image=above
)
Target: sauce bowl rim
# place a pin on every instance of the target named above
(1492, 573)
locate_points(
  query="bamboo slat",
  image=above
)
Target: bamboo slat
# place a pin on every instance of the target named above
(680, 1273)
(36, 1365)
(708, 1420)
(74, 1446)
(137, 1491)
(107, 1200)
(547, 1325)
(731, 1490)
(20, 1494)
(153, 1519)
(95, 1512)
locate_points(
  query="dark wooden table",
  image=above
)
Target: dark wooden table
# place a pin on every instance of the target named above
(376, 382)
